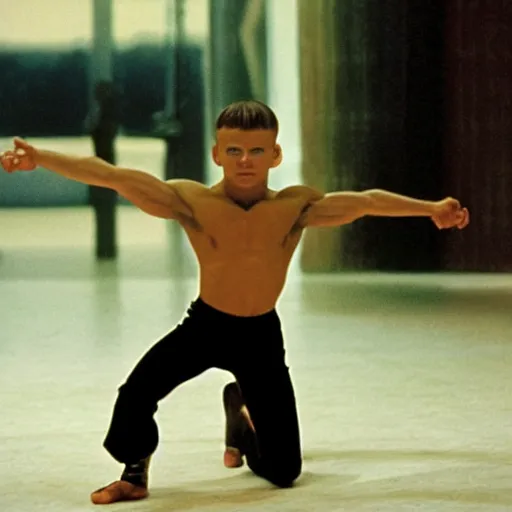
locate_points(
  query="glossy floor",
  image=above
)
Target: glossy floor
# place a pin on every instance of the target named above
(403, 382)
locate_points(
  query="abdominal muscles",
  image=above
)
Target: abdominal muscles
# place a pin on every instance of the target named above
(249, 286)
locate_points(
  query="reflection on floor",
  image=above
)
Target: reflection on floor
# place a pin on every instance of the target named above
(403, 382)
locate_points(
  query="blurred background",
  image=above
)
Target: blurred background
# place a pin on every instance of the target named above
(139, 84)
(398, 335)
(409, 96)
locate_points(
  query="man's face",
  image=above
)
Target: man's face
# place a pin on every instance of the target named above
(246, 155)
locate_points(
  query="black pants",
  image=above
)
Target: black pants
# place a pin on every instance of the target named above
(251, 348)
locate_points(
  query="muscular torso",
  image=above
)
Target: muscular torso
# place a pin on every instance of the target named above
(243, 254)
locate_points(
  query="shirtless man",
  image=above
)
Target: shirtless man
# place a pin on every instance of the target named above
(244, 235)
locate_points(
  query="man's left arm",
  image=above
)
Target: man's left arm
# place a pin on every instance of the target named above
(338, 208)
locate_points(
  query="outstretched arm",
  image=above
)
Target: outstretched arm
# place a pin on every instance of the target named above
(338, 208)
(145, 191)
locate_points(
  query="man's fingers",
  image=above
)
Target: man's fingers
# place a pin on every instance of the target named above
(7, 164)
(9, 161)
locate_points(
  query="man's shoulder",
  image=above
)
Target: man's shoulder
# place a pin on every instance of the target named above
(188, 187)
(185, 183)
(301, 192)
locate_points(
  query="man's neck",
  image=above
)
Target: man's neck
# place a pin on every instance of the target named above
(246, 197)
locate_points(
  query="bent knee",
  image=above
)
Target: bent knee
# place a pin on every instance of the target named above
(284, 475)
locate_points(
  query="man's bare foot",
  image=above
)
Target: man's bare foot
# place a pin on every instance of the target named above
(233, 458)
(118, 491)
(238, 421)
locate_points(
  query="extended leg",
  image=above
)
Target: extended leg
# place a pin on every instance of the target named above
(133, 433)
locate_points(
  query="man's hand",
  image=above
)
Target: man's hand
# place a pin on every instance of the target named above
(449, 214)
(21, 158)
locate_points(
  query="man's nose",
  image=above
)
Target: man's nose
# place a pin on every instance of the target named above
(244, 158)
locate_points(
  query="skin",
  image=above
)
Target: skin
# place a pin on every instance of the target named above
(243, 233)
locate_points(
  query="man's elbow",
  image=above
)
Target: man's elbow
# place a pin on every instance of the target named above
(368, 202)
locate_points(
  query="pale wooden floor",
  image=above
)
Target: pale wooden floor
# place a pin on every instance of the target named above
(403, 382)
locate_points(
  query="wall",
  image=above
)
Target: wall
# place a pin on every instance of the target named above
(283, 77)
(478, 151)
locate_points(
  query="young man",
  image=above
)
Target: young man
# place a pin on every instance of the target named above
(244, 235)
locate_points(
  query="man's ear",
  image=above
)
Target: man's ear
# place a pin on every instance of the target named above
(278, 155)
(215, 154)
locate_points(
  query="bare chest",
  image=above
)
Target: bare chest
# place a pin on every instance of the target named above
(265, 228)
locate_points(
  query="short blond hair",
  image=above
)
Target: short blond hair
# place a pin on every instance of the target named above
(247, 115)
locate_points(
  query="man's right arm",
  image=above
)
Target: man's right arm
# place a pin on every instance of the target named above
(151, 195)
(145, 191)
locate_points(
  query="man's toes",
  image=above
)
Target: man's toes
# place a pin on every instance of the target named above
(118, 491)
